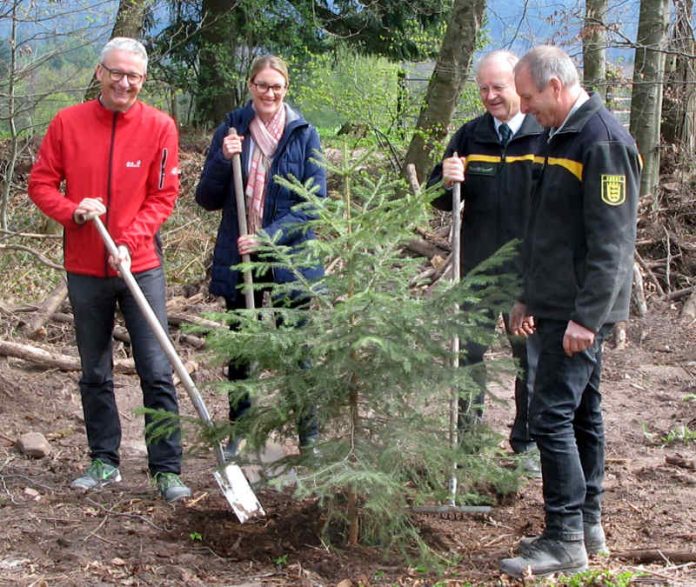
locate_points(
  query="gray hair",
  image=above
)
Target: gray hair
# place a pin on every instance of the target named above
(498, 54)
(124, 44)
(545, 62)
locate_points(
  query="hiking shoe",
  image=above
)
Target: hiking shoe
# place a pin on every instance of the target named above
(595, 541)
(308, 446)
(531, 463)
(545, 556)
(231, 449)
(171, 487)
(97, 475)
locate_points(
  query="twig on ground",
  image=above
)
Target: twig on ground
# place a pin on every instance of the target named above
(93, 532)
(140, 517)
(650, 274)
(11, 233)
(39, 256)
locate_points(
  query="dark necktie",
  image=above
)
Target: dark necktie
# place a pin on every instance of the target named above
(505, 134)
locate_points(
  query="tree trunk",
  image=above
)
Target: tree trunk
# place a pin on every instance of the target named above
(7, 168)
(218, 94)
(130, 22)
(679, 110)
(594, 42)
(445, 84)
(646, 98)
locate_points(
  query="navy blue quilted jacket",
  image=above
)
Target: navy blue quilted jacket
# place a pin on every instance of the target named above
(297, 151)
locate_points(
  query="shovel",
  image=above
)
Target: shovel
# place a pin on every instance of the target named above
(229, 477)
(242, 221)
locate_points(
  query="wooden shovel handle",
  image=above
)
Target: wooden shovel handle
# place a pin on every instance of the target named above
(242, 220)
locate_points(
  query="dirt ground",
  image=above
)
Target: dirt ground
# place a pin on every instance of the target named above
(125, 535)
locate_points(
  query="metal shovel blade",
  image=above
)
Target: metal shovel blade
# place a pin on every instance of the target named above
(230, 478)
(236, 489)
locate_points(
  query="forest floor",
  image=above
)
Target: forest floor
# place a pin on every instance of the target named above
(125, 535)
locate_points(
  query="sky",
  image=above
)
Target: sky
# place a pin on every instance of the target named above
(512, 24)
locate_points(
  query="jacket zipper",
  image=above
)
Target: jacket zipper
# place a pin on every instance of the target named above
(108, 187)
(273, 169)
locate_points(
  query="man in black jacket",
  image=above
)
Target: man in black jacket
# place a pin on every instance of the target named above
(494, 162)
(578, 259)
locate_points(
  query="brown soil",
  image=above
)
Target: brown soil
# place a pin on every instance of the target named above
(125, 535)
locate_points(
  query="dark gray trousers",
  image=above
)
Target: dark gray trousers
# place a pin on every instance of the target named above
(94, 301)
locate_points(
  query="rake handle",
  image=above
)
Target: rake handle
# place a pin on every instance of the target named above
(456, 277)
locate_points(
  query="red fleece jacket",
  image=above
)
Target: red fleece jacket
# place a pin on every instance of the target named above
(130, 160)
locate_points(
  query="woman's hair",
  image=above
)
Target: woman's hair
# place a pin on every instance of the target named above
(264, 61)
(124, 44)
(545, 62)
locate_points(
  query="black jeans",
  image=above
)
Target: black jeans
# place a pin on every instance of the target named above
(566, 422)
(471, 411)
(94, 302)
(307, 426)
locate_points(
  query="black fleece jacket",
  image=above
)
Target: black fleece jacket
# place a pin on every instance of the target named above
(579, 243)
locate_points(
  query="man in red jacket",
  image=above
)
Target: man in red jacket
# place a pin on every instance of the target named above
(118, 158)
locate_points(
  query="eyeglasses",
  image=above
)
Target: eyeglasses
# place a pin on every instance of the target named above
(116, 76)
(263, 87)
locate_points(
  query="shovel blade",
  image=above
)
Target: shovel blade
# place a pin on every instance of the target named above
(238, 492)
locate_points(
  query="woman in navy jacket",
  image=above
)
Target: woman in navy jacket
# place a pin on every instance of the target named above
(273, 140)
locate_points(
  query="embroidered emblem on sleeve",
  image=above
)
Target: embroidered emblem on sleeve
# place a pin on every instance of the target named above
(613, 189)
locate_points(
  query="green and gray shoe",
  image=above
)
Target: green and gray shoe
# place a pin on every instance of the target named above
(97, 475)
(171, 487)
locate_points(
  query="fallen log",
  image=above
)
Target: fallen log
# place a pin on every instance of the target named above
(656, 555)
(43, 358)
(177, 318)
(424, 248)
(34, 328)
(689, 310)
(437, 240)
(120, 333)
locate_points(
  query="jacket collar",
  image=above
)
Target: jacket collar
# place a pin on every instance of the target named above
(579, 118)
(104, 113)
(485, 132)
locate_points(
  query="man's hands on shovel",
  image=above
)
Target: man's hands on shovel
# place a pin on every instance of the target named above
(91, 208)
(88, 209)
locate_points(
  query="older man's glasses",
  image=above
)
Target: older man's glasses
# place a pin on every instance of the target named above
(263, 87)
(116, 76)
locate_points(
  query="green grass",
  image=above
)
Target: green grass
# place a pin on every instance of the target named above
(592, 578)
(682, 434)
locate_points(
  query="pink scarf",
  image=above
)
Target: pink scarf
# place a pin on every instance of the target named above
(266, 138)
